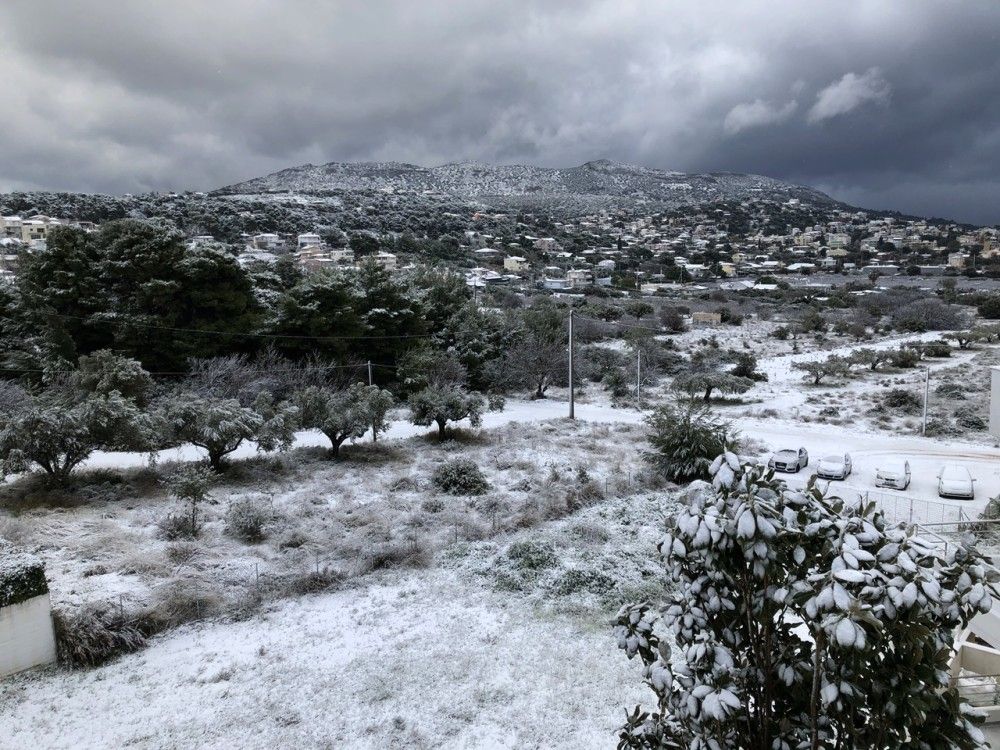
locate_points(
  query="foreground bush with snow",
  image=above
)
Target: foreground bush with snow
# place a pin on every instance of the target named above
(801, 621)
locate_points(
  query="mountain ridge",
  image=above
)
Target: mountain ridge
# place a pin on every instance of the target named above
(600, 180)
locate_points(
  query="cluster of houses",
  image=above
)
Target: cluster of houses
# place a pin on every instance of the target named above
(308, 249)
(589, 250)
(19, 234)
(650, 252)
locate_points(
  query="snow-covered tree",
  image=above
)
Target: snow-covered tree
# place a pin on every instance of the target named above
(685, 438)
(97, 406)
(443, 404)
(707, 382)
(345, 414)
(220, 426)
(832, 366)
(57, 433)
(801, 621)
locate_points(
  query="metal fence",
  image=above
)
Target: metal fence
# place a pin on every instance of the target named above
(910, 510)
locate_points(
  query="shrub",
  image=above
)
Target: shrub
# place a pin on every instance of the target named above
(969, 418)
(247, 520)
(175, 526)
(852, 648)
(990, 307)
(93, 635)
(952, 389)
(904, 359)
(903, 400)
(532, 554)
(781, 333)
(460, 477)
(576, 580)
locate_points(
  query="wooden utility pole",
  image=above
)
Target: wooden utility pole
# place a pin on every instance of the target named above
(638, 378)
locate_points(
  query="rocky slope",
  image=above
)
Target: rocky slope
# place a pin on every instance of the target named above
(596, 181)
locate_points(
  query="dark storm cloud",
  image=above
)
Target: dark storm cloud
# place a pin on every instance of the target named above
(885, 104)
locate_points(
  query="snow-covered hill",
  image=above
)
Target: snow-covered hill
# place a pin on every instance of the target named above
(603, 180)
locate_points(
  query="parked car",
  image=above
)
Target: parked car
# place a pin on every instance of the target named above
(894, 473)
(955, 481)
(789, 460)
(834, 467)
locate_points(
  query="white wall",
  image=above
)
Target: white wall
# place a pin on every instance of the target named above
(26, 636)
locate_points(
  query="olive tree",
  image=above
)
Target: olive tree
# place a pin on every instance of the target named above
(346, 413)
(832, 366)
(221, 425)
(443, 404)
(801, 621)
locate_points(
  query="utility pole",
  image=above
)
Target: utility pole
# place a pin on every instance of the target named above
(927, 386)
(638, 378)
(370, 382)
(572, 412)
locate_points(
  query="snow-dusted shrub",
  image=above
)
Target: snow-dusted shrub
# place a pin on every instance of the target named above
(970, 418)
(94, 634)
(460, 477)
(904, 359)
(801, 621)
(579, 580)
(189, 485)
(952, 389)
(902, 400)
(182, 599)
(247, 519)
(532, 554)
(685, 437)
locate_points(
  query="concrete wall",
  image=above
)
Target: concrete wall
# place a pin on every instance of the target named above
(26, 636)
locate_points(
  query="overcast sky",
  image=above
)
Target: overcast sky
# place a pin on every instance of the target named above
(883, 104)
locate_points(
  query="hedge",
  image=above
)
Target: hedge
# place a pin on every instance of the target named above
(22, 577)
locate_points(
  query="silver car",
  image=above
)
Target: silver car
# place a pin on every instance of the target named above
(789, 460)
(834, 467)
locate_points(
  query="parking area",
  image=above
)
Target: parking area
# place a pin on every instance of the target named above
(868, 451)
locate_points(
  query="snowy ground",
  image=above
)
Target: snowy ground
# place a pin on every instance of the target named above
(416, 660)
(454, 655)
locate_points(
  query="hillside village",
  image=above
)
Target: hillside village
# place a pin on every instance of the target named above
(753, 243)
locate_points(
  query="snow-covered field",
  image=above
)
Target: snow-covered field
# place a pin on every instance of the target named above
(458, 651)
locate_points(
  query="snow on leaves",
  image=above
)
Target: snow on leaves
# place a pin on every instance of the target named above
(801, 621)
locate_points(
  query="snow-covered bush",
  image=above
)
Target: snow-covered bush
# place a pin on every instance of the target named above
(94, 634)
(901, 399)
(247, 519)
(460, 477)
(189, 485)
(685, 437)
(801, 621)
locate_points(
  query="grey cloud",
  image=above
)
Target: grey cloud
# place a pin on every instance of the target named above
(849, 93)
(122, 96)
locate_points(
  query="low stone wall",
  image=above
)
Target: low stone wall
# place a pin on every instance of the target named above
(26, 635)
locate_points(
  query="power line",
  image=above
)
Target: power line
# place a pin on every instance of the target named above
(210, 332)
(184, 374)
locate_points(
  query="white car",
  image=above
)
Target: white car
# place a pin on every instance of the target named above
(894, 474)
(789, 460)
(955, 481)
(834, 467)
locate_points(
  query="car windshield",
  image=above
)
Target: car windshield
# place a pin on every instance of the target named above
(786, 454)
(955, 472)
(833, 460)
